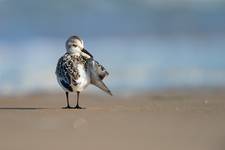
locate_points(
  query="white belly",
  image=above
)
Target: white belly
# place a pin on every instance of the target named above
(83, 81)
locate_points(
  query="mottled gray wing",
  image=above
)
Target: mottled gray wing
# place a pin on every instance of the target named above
(67, 72)
(102, 72)
(97, 74)
(98, 71)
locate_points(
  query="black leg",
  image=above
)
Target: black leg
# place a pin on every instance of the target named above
(77, 106)
(67, 101)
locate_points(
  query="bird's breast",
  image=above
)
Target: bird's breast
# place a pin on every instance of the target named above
(84, 78)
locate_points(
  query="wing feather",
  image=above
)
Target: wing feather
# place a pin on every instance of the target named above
(67, 72)
(97, 74)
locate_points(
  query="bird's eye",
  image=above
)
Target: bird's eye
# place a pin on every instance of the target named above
(74, 45)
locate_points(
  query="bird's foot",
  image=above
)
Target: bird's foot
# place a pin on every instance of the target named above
(67, 107)
(78, 107)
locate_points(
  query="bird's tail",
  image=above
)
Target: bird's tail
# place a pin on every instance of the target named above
(102, 86)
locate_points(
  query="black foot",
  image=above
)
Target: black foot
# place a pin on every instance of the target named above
(67, 107)
(78, 107)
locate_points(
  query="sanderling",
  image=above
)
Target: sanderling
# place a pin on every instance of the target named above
(76, 69)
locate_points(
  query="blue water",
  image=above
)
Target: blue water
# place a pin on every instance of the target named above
(134, 63)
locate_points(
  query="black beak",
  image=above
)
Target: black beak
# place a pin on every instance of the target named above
(86, 52)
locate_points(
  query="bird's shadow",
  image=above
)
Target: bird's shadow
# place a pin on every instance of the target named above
(22, 108)
(36, 108)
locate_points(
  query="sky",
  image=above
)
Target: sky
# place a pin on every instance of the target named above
(56, 18)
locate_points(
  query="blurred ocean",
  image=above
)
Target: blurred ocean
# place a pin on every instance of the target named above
(134, 63)
(143, 44)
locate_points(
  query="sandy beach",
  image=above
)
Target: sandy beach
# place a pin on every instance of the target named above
(160, 120)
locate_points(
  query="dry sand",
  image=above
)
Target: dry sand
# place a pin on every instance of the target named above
(169, 120)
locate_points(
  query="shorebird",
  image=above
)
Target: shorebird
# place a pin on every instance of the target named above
(76, 69)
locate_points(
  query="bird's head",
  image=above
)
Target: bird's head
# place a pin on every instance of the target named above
(74, 45)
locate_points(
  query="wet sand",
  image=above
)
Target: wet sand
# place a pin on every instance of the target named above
(166, 120)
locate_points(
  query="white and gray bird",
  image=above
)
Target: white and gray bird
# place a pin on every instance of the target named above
(76, 69)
